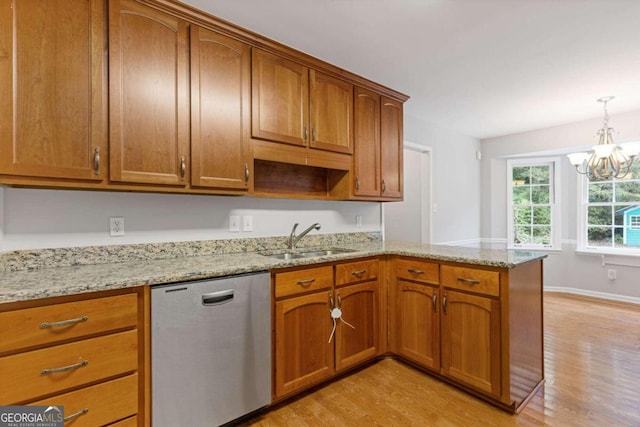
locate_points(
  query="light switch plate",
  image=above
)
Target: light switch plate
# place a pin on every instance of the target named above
(247, 223)
(234, 223)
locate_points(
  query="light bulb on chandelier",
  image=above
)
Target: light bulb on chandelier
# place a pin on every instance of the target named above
(607, 160)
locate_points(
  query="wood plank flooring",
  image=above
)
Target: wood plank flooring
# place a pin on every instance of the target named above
(592, 370)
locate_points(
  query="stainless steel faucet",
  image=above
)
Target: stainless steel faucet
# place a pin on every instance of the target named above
(293, 239)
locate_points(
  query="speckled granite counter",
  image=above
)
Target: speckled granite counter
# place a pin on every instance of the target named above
(57, 273)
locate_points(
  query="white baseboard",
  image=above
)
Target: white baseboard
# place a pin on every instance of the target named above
(593, 294)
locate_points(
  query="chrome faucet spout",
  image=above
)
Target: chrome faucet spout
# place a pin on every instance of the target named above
(293, 239)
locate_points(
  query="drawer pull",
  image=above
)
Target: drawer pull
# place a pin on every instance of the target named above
(358, 273)
(306, 283)
(76, 415)
(434, 301)
(468, 281)
(64, 368)
(444, 304)
(414, 271)
(46, 325)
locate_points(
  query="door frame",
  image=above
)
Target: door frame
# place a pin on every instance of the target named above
(426, 169)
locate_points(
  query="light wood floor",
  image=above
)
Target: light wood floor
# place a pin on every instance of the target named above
(592, 371)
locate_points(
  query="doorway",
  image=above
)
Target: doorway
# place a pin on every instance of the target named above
(410, 220)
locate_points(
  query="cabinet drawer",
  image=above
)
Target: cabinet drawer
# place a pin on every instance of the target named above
(418, 271)
(302, 281)
(358, 271)
(471, 279)
(23, 378)
(49, 324)
(100, 404)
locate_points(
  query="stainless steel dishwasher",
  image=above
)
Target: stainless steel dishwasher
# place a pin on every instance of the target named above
(211, 350)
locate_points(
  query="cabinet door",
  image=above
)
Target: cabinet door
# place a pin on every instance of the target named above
(366, 149)
(280, 99)
(148, 94)
(304, 355)
(53, 113)
(220, 84)
(358, 342)
(471, 340)
(419, 324)
(331, 113)
(391, 143)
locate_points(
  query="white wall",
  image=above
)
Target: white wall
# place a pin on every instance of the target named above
(565, 269)
(33, 218)
(456, 180)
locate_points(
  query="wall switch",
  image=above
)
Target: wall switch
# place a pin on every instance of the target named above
(234, 223)
(116, 226)
(247, 223)
(358, 220)
(612, 274)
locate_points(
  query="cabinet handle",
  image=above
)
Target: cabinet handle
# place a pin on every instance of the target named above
(435, 301)
(246, 173)
(331, 306)
(306, 283)
(313, 136)
(468, 281)
(45, 325)
(358, 272)
(96, 160)
(76, 415)
(306, 133)
(183, 167)
(444, 303)
(357, 183)
(339, 301)
(384, 186)
(64, 368)
(414, 271)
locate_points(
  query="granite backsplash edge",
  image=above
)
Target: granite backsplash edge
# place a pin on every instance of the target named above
(33, 259)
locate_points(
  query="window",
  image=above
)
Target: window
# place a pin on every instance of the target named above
(611, 214)
(533, 203)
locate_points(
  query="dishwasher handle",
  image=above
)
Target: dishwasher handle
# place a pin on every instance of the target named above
(217, 298)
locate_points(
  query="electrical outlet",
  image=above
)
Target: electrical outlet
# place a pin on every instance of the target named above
(116, 226)
(234, 223)
(358, 220)
(612, 274)
(247, 223)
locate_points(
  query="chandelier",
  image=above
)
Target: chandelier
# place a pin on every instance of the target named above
(607, 160)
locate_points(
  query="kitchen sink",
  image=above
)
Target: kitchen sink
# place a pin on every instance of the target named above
(309, 253)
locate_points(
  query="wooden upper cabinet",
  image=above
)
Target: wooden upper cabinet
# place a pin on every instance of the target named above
(53, 114)
(280, 99)
(331, 113)
(220, 110)
(366, 153)
(148, 94)
(391, 146)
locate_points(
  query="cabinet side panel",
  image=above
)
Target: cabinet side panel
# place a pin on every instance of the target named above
(526, 333)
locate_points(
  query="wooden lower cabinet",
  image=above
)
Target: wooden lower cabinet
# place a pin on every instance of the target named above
(418, 323)
(470, 340)
(308, 350)
(357, 335)
(88, 353)
(304, 355)
(476, 326)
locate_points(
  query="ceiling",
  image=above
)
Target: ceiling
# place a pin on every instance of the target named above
(482, 68)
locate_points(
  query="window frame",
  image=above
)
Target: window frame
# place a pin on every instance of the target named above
(554, 202)
(582, 240)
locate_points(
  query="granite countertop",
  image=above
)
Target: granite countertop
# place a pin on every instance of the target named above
(28, 284)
